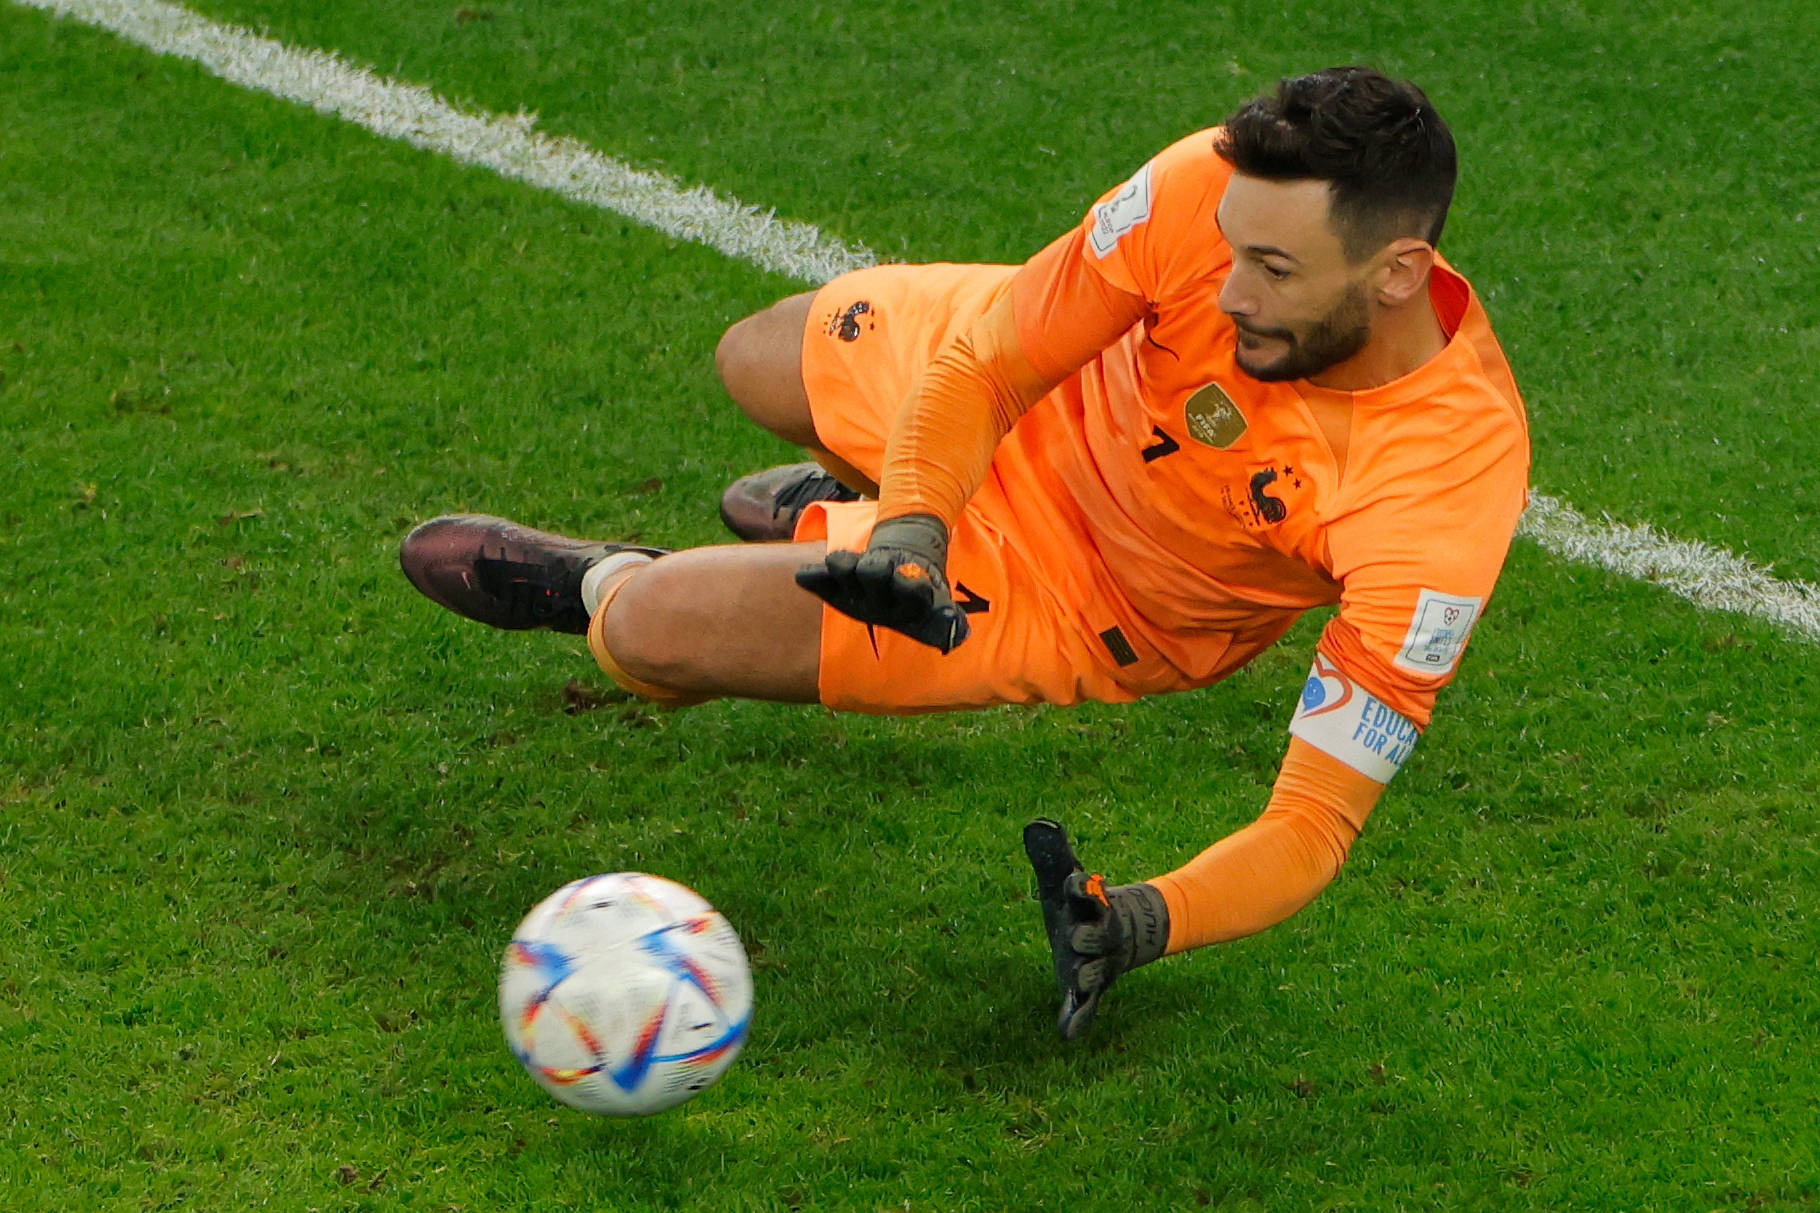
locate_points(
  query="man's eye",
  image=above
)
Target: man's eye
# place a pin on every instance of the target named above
(1276, 271)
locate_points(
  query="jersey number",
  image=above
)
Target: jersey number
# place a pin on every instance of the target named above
(1164, 445)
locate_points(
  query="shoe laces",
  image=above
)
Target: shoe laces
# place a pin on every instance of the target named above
(530, 591)
(810, 486)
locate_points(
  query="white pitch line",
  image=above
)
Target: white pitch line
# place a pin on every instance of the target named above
(1705, 575)
(505, 144)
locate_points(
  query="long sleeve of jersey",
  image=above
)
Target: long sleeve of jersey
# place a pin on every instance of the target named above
(1056, 314)
(1268, 870)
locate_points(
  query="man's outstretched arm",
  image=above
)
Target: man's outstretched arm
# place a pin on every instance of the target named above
(1343, 749)
(1266, 871)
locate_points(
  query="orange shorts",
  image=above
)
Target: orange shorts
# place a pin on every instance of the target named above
(869, 335)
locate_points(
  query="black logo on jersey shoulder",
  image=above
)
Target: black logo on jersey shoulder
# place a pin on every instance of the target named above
(846, 325)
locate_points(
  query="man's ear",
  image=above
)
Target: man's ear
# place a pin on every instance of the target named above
(1402, 271)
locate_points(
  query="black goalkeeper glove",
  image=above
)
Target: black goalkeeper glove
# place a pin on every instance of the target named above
(1095, 932)
(899, 582)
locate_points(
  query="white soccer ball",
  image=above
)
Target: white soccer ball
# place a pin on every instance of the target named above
(625, 994)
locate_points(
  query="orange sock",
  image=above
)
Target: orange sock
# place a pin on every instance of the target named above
(597, 644)
(1276, 865)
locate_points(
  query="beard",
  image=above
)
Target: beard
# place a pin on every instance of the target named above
(1332, 339)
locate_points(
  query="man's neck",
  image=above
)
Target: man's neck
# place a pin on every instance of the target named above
(1405, 340)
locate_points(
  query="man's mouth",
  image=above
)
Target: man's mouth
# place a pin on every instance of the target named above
(1251, 337)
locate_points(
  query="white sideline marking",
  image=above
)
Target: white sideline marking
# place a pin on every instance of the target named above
(1707, 576)
(504, 143)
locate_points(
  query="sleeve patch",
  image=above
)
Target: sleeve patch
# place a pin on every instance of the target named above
(1343, 720)
(1438, 632)
(1119, 214)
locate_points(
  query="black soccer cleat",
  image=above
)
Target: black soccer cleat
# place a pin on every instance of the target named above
(503, 574)
(764, 506)
(1095, 933)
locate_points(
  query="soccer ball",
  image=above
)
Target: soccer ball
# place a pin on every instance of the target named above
(625, 994)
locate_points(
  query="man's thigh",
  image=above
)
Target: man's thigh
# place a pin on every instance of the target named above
(867, 337)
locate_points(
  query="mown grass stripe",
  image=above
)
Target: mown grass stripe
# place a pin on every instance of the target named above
(1708, 576)
(504, 143)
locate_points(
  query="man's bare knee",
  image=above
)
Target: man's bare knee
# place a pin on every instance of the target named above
(720, 621)
(641, 630)
(760, 361)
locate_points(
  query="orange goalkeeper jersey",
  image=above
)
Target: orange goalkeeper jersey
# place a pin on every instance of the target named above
(1217, 504)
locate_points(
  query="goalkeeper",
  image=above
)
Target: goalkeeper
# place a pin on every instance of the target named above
(1243, 386)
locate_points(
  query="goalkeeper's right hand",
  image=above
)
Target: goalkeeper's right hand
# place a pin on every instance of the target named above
(1095, 932)
(899, 582)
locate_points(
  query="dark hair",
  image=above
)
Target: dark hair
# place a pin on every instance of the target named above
(1379, 142)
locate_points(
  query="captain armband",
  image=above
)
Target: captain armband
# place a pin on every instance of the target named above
(1346, 722)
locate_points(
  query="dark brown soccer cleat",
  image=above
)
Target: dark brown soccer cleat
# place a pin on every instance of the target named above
(503, 574)
(764, 506)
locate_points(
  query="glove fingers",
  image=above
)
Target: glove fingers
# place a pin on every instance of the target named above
(1091, 978)
(819, 580)
(1089, 939)
(939, 630)
(875, 581)
(834, 581)
(891, 588)
(1046, 845)
(1076, 1014)
(827, 575)
(944, 627)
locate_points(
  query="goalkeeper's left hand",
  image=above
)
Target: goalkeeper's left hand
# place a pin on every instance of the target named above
(899, 582)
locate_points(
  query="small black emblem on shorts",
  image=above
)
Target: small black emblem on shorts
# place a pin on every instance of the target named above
(970, 602)
(846, 325)
(1118, 646)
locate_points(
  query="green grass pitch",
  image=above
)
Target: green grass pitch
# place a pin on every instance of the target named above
(267, 817)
